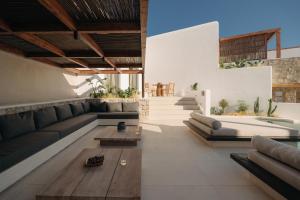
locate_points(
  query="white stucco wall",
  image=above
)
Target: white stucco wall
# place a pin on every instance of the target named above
(288, 110)
(285, 53)
(192, 55)
(23, 80)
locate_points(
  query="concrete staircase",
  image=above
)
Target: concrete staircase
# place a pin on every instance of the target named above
(171, 107)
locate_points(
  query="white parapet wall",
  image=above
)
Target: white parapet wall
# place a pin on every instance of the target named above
(191, 55)
(288, 110)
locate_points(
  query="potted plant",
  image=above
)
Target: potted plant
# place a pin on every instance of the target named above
(194, 89)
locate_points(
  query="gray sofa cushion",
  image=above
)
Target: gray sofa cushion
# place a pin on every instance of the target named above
(114, 107)
(130, 106)
(45, 117)
(17, 149)
(70, 125)
(208, 121)
(277, 150)
(98, 107)
(16, 124)
(117, 115)
(277, 168)
(77, 109)
(86, 106)
(63, 112)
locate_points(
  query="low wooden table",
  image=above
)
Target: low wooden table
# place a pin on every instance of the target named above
(109, 181)
(109, 136)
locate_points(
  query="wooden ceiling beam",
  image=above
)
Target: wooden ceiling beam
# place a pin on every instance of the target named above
(86, 54)
(119, 65)
(88, 40)
(234, 37)
(10, 49)
(143, 24)
(58, 11)
(90, 72)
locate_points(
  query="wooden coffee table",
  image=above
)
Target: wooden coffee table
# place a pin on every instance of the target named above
(109, 181)
(109, 136)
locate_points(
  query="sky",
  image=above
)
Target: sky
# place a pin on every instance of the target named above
(234, 17)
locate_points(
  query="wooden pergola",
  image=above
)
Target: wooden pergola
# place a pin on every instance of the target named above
(250, 46)
(102, 36)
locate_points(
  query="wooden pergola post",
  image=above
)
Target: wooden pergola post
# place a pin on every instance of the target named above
(143, 84)
(278, 44)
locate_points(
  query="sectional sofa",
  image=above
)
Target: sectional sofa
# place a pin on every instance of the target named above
(274, 166)
(30, 137)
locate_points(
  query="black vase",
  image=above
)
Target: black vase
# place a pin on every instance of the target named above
(121, 126)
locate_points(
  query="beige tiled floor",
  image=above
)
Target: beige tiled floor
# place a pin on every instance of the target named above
(175, 165)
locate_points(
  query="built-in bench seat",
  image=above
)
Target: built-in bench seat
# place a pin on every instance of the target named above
(15, 150)
(24, 134)
(235, 129)
(275, 164)
(68, 126)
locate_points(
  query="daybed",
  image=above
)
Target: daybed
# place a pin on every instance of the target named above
(24, 135)
(274, 166)
(242, 129)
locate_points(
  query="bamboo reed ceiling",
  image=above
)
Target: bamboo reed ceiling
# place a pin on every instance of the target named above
(76, 34)
(251, 46)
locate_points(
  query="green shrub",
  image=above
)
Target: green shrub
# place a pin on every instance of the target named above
(242, 106)
(223, 104)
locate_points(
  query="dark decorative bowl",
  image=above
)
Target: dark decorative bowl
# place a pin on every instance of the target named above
(94, 161)
(121, 126)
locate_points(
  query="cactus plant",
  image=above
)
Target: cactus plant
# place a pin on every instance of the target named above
(271, 110)
(256, 106)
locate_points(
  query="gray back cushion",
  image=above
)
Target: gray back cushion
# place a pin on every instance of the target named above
(45, 117)
(86, 106)
(114, 107)
(77, 109)
(63, 112)
(16, 124)
(130, 106)
(98, 107)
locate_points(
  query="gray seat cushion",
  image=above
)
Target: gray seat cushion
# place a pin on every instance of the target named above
(45, 117)
(117, 115)
(86, 107)
(16, 124)
(70, 125)
(114, 106)
(76, 109)
(63, 112)
(130, 106)
(17, 149)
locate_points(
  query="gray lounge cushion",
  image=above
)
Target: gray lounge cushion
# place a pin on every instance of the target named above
(114, 106)
(17, 149)
(277, 168)
(86, 107)
(16, 124)
(208, 121)
(277, 150)
(117, 115)
(76, 109)
(70, 125)
(200, 126)
(44, 117)
(63, 112)
(98, 107)
(130, 106)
